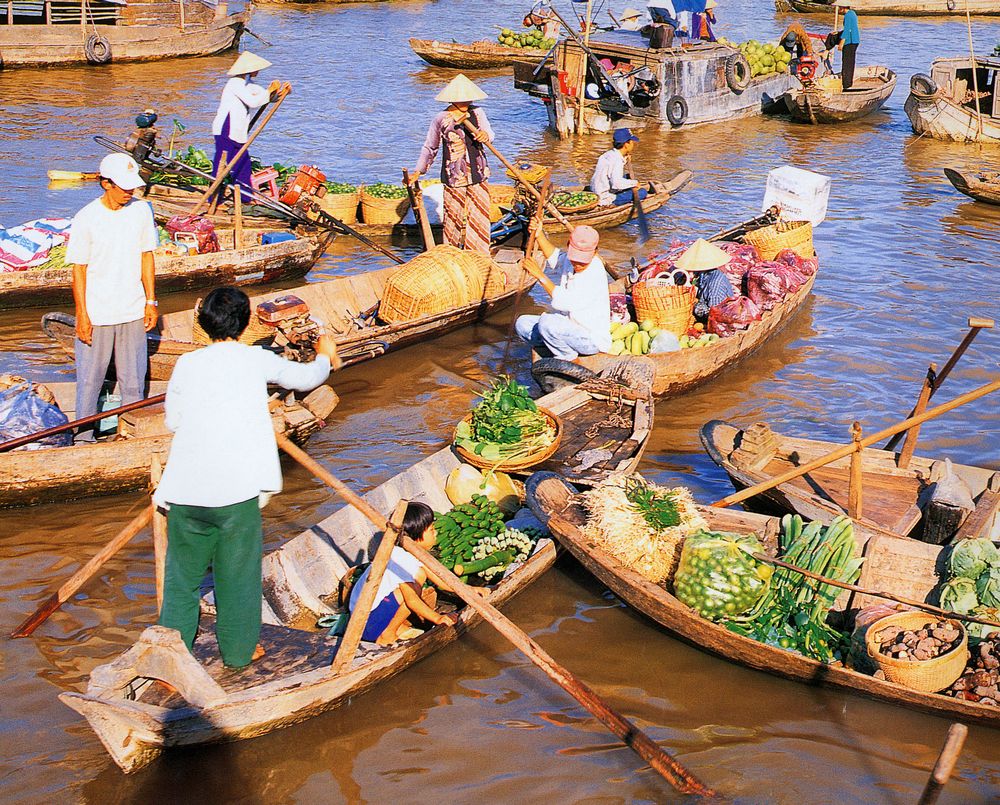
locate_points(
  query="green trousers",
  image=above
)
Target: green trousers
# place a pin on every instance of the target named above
(229, 540)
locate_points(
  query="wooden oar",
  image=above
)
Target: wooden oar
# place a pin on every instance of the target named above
(629, 733)
(34, 437)
(846, 450)
(78, 579)
(640, 215)
(419, 211)
(73, 176)
(945, 764)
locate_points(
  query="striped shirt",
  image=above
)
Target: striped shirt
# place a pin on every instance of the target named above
(714, 287)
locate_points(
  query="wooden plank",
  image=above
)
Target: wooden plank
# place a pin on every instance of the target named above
(855, 492)
(980, 522)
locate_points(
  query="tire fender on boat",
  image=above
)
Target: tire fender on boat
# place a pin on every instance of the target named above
(677, 110)
(97, 49)
(951, 5)
(553, 373)
(737, 73)
(923, 86)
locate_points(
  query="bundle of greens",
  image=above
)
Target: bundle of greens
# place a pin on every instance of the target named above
(196, 158)
(506, 425)
(657, 506)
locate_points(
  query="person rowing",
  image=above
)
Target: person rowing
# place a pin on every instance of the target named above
(611, 181)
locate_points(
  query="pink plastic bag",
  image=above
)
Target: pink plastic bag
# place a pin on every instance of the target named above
(743, 257)
(736, 313)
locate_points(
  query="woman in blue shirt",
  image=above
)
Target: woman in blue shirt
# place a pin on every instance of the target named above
(850, 38)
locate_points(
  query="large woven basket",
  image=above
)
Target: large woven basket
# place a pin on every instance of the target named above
(518, 462)
(376, 210)
(928, 676)
(671, 307)
(441, 279)
(343, 206)
(500, 195)
(795, 235)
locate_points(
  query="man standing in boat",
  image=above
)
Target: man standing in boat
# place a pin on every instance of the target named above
(610, 181)
(850, 38)
(464, 170)
(110, 248)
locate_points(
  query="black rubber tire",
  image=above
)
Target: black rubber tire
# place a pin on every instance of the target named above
(737, 66)
(553, 373)
(97, 49)
(677, 111)
(922, 85)
(952, 5)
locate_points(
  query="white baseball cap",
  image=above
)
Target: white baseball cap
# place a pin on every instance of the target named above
(122, 170)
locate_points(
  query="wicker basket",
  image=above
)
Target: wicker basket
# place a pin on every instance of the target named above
(376, 210)
(794, 235)
(928, 676)
(256, 332)
(441, 279)
(343, 206)
(517, 463)
(500, 194)
(671, 307)
(591, 205)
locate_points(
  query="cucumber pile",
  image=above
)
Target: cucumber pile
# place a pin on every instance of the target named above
(631, 338)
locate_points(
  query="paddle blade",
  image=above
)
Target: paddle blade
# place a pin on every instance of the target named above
(640, 215)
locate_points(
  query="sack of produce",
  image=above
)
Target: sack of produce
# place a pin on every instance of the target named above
(769, 283)
(664, 341)
(971, 558)
(735, 314)
(742, 257)
(619, 308)
(718, 577)
(194, 228)
(804, 267)
(23, 412)
(959, 595)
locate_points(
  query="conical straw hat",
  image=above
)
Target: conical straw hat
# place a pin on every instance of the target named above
(248, 63)
(702, 256)
(461, 90)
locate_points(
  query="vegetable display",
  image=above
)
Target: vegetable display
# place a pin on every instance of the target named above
(506, 425)
(979, 682)
(717, 576)
(195, 158)
(493, 555)
(530, 39)
(974, 568)
(937, 637)
(699, 340)
(970, 558)
(384, 190)
(633, 339)
(959, 595)
(340, 188)
(465, 482)
(764, 59)
(566, 200)
(988, 587)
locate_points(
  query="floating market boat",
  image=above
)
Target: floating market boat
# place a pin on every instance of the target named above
(896, 500)
(347, 306)
(253, 263)
(943, 105)
(122, 463)
(823, 100)
(44, 32)
(481, 55)
(982, 186)
(896, 8)
(699, 83)
(899, 566)
(136, 718)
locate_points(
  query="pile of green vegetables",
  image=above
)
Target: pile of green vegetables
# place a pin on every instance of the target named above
(387, 191)
(658, 507)
(718, 576)
(505, 425)
(566, 200)
(194, 157)
(340, 188)
(792, 613)
(974, 584)
(533, 38)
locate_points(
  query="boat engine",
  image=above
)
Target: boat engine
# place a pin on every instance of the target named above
(142, 142)
(299, 331)
(304, 189)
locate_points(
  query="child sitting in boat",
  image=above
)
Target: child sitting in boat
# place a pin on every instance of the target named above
(402, 597)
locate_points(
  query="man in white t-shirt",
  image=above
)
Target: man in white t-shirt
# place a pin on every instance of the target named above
(581, 321)
(111, 247)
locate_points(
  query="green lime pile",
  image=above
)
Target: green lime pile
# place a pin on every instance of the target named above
(384, 190)
(566, 200)
(340, 188)
(765, 59)
(530, 39)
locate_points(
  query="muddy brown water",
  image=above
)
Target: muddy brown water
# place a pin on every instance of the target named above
(904, 261)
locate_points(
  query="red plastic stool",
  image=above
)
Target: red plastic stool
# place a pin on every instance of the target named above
(265, 181)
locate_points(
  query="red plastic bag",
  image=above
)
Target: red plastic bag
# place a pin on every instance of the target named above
(736, 313)
(198, 226)
(742, 257)
(804, 267)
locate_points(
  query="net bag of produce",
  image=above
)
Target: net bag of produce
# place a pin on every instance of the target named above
(804, 267)
(736, 313)
(717, 576)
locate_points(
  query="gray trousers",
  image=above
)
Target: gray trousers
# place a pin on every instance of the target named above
(128, 343)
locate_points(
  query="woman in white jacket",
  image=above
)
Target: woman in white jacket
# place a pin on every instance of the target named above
(240, 98)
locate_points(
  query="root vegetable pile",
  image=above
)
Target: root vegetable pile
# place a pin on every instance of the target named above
(932, 640)
(979, 682)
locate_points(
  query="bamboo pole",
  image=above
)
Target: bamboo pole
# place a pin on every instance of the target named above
(582, 86)
(237, 219)
(159, 532)
(911, 435)
(855, 492)
(637, 740)
(945, 764)
(78, 579)
(975, 78)
(846, 450)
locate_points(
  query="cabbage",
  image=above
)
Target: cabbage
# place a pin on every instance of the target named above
(971, 557)
(988, 587)
(959, 595)
(981, 630)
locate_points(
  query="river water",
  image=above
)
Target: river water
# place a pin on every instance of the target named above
(904, 261)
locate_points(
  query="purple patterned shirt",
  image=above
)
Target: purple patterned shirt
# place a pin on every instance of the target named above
(464, 160)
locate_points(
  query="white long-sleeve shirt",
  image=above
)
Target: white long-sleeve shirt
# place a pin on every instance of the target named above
(239, 97)
(224, 451)
(583, 296)
(609, 177)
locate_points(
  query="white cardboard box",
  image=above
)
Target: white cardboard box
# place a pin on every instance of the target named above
(801, 194)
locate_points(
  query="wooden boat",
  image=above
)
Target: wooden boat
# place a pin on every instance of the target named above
(136, 719)
(983, 186)
(941, 105)
(681, 371)
(896, 8)
(339, 303)
(252, 263)
(900, 566)
(44, 32)
(481, 55)
(121, 464)
(895, 500)
(824, 100)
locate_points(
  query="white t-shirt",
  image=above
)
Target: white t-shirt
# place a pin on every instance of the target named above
(584, 297)
(110, 243)
(402, 568)
(239, 96)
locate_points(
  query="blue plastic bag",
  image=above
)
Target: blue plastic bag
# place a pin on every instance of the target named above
(22, 412)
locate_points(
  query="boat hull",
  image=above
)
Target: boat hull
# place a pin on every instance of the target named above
(482, 55)
(975, 186)
(942, 119)
(817, 104)
(897, 8)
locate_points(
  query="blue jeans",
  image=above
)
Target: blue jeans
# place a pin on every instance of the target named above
(564, 338)
(625, 197)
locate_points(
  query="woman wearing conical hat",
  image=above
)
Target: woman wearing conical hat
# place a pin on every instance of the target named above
(704, 259)
(239, 99)
(464, 170)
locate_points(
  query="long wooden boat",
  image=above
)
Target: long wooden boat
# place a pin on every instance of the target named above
(939, 105)
(136, 719)
(122, 463)
(681, 371)
(252, 263)
(980, 186)
(900, 566)
(46, 32)
(481, 55)
(339, 303)
(824, 100)
(895, 499)
(896, 8)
